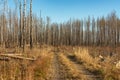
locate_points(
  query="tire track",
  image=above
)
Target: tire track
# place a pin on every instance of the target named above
(58, 70)
(62, 72)
(82, 70)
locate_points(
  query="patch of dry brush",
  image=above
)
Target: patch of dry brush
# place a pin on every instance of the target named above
(24, 69)
(102, 68)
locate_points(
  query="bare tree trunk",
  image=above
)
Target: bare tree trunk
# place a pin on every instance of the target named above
(20, 37)
(4, 24)
(1, 32)
(31, 42)
(24, 25)
(93, 31)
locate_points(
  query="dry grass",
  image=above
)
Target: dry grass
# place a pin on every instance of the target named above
(24, 69)
(83, 56)
(72, 70)
(105, 69)
(39, 70)
(40, 67)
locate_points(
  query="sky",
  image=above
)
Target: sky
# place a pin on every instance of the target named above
(63, 10)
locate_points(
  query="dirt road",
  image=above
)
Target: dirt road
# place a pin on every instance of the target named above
(59, 71)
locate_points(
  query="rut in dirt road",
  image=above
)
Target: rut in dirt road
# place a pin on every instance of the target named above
(58, 71)
(81, 68)
(61, 72)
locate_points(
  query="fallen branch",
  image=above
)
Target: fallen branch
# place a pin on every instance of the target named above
(17, 56)
(11, 54)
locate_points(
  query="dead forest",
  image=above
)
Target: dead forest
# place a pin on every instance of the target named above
(29, 29)
(33, 47)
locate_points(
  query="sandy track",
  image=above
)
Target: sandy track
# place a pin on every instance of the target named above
(58, 71)
(82, 70)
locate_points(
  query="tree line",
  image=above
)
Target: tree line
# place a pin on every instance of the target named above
(29, 29)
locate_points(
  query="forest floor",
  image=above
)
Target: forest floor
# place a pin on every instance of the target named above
(61, 63)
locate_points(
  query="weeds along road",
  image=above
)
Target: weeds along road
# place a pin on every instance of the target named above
(65, 68)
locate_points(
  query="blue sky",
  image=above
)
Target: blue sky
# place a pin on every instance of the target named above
(63, 10)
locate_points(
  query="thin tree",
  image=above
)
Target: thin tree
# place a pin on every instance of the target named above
(24, 25)
(20, 28)
(31, 42)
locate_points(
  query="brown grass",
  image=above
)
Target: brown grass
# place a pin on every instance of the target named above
(105, 68)
(39, 69)
(24, 69)
(72, 70)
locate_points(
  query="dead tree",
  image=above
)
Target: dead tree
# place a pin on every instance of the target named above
(24, 25)
(31, 42)
(20, 28)
(4, 23)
